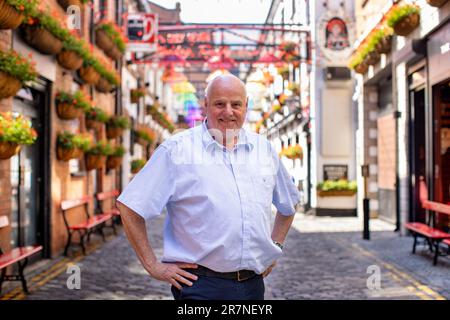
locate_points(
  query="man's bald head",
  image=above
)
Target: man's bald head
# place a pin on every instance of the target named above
(225, 80)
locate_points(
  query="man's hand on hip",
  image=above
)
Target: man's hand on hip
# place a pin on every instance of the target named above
(269, 269)
(173, 273)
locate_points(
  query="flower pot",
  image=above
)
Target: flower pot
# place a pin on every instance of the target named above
(361, 68)
(69, 60)
(436, 3)
(407, 25)
(372, 58)
(103, 85)
(8, 85)
(134, 99)
(92, 124)
(67, 3)
(135, 170)
(113, 162)
(41, 39)
(67, 111)
(384, 46)
(103, 41)
(89, 75)
(10, 18)
(141, 141)
(8, 149)
(65, 154)
(94, 161)
(113, 132)
(114, 53)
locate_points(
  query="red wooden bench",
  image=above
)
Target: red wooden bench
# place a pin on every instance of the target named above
(113, 211)
(426, 230)
(86, 227)
(17, 255)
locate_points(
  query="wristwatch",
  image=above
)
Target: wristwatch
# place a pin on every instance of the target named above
(279, 245)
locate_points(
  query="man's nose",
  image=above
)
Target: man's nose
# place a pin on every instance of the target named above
(228, 109)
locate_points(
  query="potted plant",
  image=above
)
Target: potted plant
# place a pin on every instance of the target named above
(110, 39)
(74, 51)
(88, 73)
(15, 130)
(382, 39)
(115, 158)
(331, 188)
(293, 152)
(96, 155)
(95, 118)
(70, 145)
(12, 12)
(137, 165)
(404, 19)
(15, 71)
(67, 3)
(136, 94)
(115, 126)
(71, 106)
(436, 3)
(294, 87)
(108, 76)
(358, 64)
(284, 72)
(144, 136)
(44, 32)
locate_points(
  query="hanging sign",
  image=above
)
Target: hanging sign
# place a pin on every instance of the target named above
(142, 32)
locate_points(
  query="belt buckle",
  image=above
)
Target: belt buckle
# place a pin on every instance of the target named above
(241, 278)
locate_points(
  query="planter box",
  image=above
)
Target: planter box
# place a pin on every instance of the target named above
(407, 25)
(103, 86)
(113, 162)
(67, 154)
(92, 124)
(103, 41)
(10, 18)
(385, 45)
(113, 132)
(94, 161)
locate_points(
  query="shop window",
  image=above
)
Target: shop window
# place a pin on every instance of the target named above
(443, 107)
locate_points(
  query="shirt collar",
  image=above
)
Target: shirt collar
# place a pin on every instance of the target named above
(209, 141)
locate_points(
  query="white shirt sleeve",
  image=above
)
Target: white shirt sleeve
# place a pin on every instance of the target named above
(285, 193)
(150, 190)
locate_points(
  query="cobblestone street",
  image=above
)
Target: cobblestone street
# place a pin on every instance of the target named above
(325, 258)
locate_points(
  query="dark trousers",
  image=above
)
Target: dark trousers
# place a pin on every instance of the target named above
(212, 288)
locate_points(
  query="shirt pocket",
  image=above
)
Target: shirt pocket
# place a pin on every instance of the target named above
(263, 186)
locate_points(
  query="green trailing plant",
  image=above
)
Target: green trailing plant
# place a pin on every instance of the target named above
(69, 140)
(145, 134)
(23, 6)
(137, 164)
(17, 66)
(101, 148)
(119, 122)
(337, 185)
(77, 100)
(400, 12)
(16, 129)
(118, 151)
(115, 34)
(97, 114)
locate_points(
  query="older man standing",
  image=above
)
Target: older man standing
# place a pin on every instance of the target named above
(218, 183)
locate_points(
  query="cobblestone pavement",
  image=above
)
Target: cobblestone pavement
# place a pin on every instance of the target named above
(325, 258)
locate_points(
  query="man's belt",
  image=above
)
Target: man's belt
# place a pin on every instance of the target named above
(240, 275)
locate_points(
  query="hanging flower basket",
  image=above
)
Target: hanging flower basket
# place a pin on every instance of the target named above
(67, 111)
(142, 141)
(113, 132)
(384, 45)
(372, 58)
(114, 53)
(67, 3)
(10, 18)
(436, 3)
(95, 161)
(8, 85)
(69, 60)
(103, 85)
(361, 68)
(89, 75)
(407, 25)
(103, 41)
(65, 154)
(113, 162)
(41, 39)
(95, 125)
(336, 193)
(8, 149)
